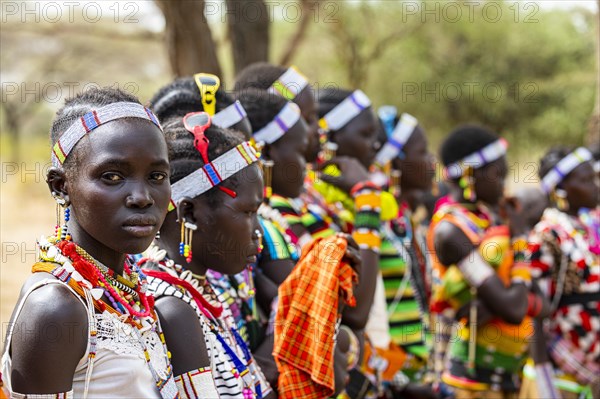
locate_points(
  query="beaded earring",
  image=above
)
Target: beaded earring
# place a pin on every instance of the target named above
(61, 231)
(395, 178)
(467, 183)
(185, 245)
(559, 197)
(267, 168)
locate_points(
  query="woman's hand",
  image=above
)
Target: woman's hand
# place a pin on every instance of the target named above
(352, 173)
(512, 212)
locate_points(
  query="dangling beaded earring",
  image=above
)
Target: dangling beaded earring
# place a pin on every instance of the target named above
(559, 197)
(185, 245)
(61, 231)
(467, 183)
(267, 167)
(395, 178)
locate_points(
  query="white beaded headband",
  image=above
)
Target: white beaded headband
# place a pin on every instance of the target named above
(564, 167)
(92, 120)
(345, 111)
(402, 132)
(213, 173)
(229, 116)
(290, 84)
(284, 121)
(478, 159)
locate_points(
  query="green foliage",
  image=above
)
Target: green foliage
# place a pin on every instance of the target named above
(527, 72)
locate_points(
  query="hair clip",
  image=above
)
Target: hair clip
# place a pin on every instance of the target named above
(208, 84)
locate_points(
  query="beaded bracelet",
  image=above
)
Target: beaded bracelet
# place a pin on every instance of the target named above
(475, 269)
(62, 395)
(196, 384)
(367, 203)
(520, 272)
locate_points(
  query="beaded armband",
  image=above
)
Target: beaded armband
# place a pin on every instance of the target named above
(475, 269)
(63, 395)
(520, 272)
(367, 203)
(196, 384)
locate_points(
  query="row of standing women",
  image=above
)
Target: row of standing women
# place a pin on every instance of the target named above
(275, 242)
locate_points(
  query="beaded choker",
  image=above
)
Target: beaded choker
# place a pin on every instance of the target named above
(283, 122)
(92, 120)
(478, 159)
(345, 111)
(564, 167)
(290, 84)
(393, 147)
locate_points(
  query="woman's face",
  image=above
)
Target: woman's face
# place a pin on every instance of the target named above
(489, 181)
(226, 240)
(287, 153)
(417, 165)
(120, 191)
(358, 139)
(308, 108)
(581, 187)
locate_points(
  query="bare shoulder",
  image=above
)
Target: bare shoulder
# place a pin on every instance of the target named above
(51, 329)
(183, 334)
(451, 244)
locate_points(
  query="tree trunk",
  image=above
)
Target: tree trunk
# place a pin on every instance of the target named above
(248, 28)
(594, 122)
(189, 39)
(292, 46)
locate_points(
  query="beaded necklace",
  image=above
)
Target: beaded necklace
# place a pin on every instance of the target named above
(88, 278)
(242, 369)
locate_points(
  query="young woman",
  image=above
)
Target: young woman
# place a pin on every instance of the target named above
(474, 261)
(213, 226)
(85, 308)
(399, 320)
(290, 84)
(565, 260)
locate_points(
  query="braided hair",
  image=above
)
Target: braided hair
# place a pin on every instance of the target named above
(183, 96)
(260, 75)
(184, 158)
(76, 107)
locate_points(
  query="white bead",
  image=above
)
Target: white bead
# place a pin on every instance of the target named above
(52, 252)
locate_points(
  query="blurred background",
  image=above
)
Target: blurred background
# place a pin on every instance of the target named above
(527, 69)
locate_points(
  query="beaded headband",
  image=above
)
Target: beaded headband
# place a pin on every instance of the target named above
(284, 121)
(393, 147)
(345, 111)
(229, 116)
(208, 84)
(290, 84)
(478, 159)
(213, 173)
(564, 167)
(92, 120)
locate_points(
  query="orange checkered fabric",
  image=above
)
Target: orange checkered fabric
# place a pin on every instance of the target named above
(306, 317)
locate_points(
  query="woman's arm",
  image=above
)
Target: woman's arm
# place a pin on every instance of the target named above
(50, 337)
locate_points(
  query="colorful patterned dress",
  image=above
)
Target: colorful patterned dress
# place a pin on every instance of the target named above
(501, 348)
(565, 260)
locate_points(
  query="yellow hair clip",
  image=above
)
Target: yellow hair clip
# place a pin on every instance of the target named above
(208, 84)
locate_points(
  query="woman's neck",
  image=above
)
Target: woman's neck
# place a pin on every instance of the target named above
(108, 257)
(412, 197)
(172, 248)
